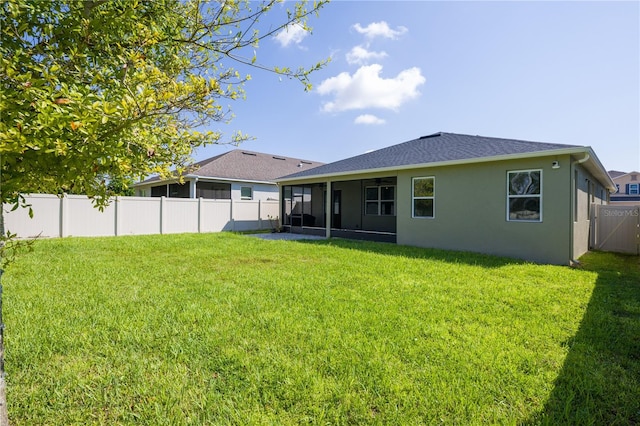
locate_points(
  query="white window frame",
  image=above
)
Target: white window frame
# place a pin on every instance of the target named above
(379, 200)
(413, 197)
(242, 197)
(509, 197)
(634, 189)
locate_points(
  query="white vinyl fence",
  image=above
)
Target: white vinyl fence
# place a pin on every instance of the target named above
(615, 228)
(75, 215)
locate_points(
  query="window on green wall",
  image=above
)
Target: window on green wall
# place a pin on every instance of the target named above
(524, 196)
(423, 197)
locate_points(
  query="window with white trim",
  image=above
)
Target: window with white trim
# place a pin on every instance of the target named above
(524, 195)
(246, 193)
(423, 197)
(634, 189)
(380, 200)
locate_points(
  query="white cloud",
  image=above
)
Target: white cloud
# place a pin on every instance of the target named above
(380, 29)
(368, 119)
(293, 33)
(366, 89)
(360, 55)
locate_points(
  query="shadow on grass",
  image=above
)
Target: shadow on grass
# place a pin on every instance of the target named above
(599, 383)
(391, 249)
(600, 380)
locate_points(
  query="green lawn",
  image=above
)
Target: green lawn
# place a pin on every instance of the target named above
(231, 329)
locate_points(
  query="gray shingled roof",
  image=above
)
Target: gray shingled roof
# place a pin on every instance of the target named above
(616, 174)
(436, 148)
(247, 166)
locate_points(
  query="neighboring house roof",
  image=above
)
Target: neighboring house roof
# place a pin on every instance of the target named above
(248, 166)
(446, 149)
(615, 174)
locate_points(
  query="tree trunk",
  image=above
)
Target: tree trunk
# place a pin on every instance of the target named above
(4, 413)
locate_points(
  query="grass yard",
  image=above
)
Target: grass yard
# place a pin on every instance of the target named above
(231, 329)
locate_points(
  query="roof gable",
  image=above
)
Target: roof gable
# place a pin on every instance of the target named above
(436, 148)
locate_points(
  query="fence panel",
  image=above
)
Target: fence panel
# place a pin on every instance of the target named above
(246, 215)
(75, 215)
(46, 220)
(179, 215)
(82, 219)
(616, 228)
(269, 210)
(215, 215)
(139, 215)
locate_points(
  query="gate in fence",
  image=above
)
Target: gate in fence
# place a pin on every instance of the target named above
(615, 228)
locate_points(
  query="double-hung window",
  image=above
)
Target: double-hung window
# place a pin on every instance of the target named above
(423, 196)
(634, 189)
(380, 200)
(524, 195)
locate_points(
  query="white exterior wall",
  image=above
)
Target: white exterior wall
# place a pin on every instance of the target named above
(75, 215)
(261, 191)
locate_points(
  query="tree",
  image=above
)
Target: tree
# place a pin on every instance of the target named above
(119, 186)
(120, 88)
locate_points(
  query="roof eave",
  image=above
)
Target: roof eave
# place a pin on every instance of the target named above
(199, 177)
(599, 171)
(564, 151)
(268, 182)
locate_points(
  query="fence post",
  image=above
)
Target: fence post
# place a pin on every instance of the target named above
(593, 226)
(199, 214)
(162, 215)
(63, 212)
(116, 210)
(233, 224)
(637, 214)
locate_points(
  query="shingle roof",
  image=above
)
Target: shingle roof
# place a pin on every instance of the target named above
(615, 174)
(247, 166)
(436, 148)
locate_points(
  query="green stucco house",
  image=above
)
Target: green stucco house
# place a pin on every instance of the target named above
(521, 199)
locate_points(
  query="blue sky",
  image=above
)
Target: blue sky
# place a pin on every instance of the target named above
(561, 72)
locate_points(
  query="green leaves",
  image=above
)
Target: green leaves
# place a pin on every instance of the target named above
(91, 88)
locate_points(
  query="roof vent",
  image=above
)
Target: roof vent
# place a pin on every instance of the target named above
(435, 135)
(249, 153)
(305, 162)
(278, 158)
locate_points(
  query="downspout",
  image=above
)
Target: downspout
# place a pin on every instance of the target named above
(586, 157)
(573, 205)
(195, 188)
